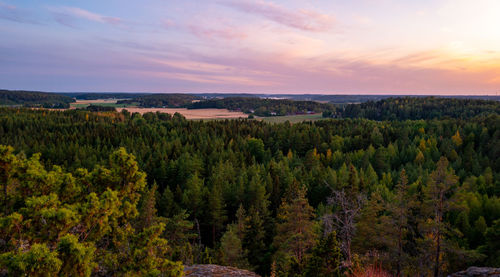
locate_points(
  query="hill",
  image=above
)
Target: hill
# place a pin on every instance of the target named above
(34, 99)
(415, 108)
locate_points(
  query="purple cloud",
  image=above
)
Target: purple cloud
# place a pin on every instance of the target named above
(225, 33)
(66, 16)
(12, 13)
(305, 20)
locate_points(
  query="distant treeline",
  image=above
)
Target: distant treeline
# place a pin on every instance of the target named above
(162, 100)
(34, 99)
(378, 108)
(250, 105)
(336, 98)
(394, 108)
(421, 108)
(96, 108)
(264, 107)
(102, 95)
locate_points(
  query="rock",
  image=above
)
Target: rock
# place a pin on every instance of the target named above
(478, 272)
(215, 270)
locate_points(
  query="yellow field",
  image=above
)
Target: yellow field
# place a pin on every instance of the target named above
(190, 114)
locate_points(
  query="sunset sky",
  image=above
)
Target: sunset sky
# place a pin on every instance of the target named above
(260, 46)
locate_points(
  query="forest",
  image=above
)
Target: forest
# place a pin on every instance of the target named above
(102, 95)
(250, 105)
(263, 106)
(403, 108)
(106, 193)
(161, 100)
(34, 99)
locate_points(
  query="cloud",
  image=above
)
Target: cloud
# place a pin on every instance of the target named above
(305, 20)
(67, 16)
(225, 33)
(167, 24)
(12, 13)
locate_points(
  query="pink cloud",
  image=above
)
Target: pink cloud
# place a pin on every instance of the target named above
(67, 13)
(167, 24)
(304, 20)
(226, 33)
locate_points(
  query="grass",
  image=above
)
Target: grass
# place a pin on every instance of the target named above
(292, 118)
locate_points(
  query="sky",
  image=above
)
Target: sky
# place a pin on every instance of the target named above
(252, 46)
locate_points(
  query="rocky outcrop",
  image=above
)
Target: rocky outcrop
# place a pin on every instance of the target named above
(478, 272)
(215, 270)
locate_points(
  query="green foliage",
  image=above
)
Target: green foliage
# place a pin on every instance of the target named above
(158, 100)
(100, 108)
(325, 259)
(232, 250)
(37, 261)
(421, 108)
(296, 232)
(211, 175)
(264, 106)
(78, 258)
(76, 225)
(34, 99)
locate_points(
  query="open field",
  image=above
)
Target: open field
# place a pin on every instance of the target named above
(190, 114)
(203, 114)
(292, 118)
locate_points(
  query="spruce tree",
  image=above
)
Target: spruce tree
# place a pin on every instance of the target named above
(296, 231)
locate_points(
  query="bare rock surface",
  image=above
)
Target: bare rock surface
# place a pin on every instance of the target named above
(478, 272)
(215, 270)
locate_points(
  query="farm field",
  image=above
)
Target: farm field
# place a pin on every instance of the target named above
(197, 114)
(190, 114)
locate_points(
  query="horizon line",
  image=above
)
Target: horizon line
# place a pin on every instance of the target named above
(277, 93)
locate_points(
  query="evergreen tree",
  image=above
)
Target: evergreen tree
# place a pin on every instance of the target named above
(296, 231)
(325, 259)
(400, 209)
(232, 251)
(437, 204)
(147, 208)
(217, 211)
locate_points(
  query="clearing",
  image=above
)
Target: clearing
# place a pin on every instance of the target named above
(190, 114)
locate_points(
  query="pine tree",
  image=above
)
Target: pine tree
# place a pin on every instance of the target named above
(192, 198)
(325, 259)
(296, 231)
(232, 250)
(255, 240)
(217, 211)
(147, 208)
(437, 203)
(400, 211)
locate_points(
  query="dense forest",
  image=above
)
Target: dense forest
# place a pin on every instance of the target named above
(403, 108)
(98, 108)
(34, 99)
(162, 100)
(102, 95)
(263, 106)
(118, 193)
